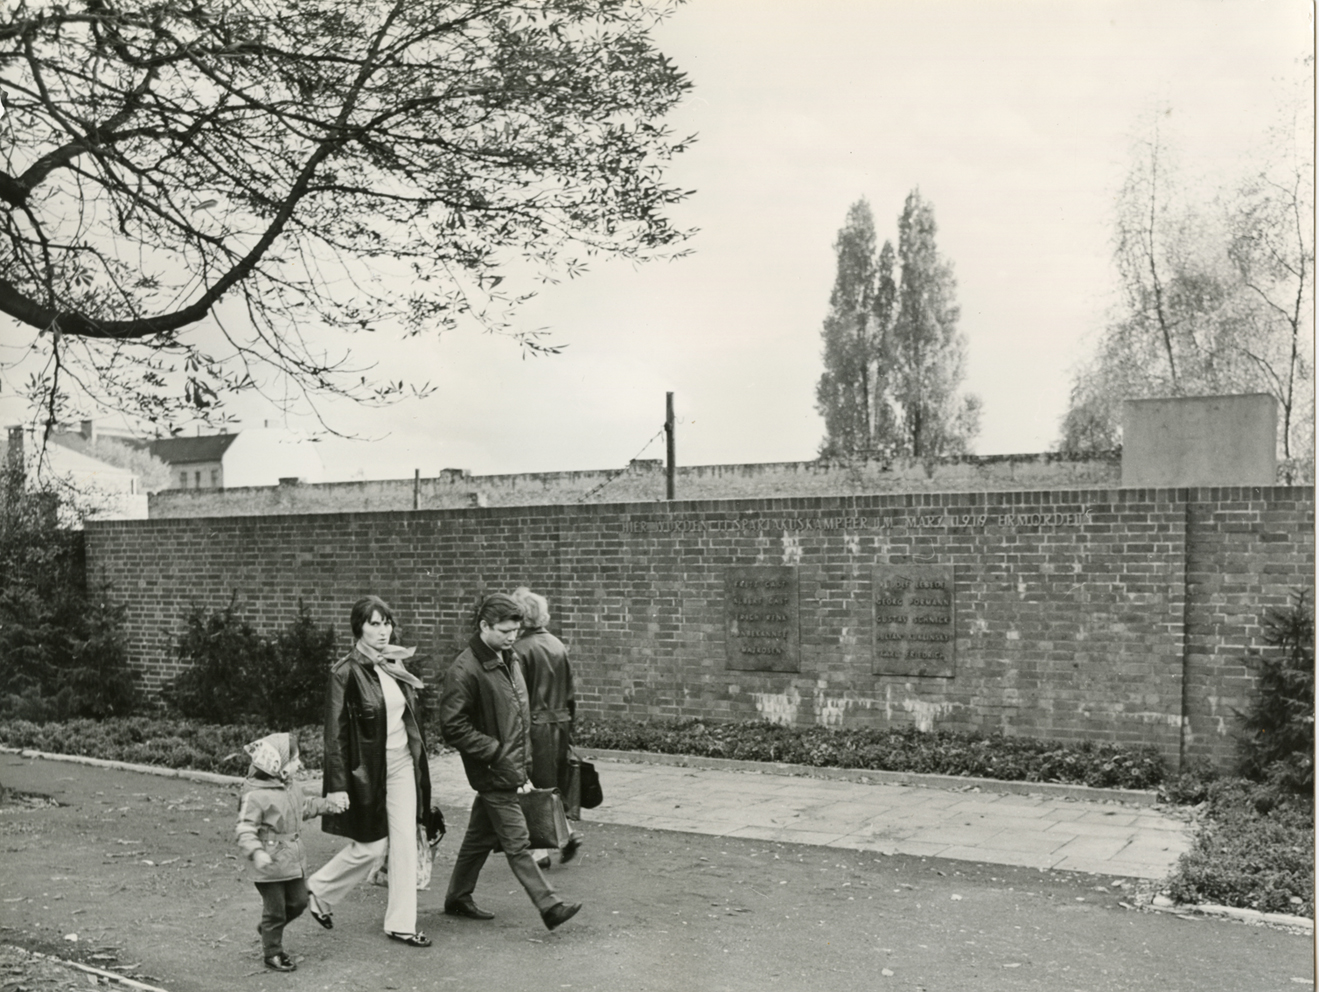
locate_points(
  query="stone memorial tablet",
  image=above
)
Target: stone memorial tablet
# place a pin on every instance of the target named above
(914, 621)
(763, 622)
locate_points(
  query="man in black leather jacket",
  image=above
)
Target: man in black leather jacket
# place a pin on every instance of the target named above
(484, 714)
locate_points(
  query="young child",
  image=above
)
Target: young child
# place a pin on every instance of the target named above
(271, 809)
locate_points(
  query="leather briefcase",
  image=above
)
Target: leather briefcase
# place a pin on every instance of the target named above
(546, 821)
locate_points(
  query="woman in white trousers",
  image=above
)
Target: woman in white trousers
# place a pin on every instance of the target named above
(375, 763)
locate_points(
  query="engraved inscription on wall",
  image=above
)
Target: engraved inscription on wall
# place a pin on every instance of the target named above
(914, 621)
(762, 618)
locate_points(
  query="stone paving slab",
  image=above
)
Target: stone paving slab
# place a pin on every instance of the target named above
(1014, 828)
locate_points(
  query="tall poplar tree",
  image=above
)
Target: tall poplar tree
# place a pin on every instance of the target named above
(928, 351)
(893, 357)
(854, 335)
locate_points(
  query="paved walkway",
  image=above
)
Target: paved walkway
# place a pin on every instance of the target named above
(965, 823)
(1029, 830)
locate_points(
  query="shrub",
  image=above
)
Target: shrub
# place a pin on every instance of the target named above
(1278, 744)
(902, 750)
(292, 685)
(167, 742)
(1255, 850)
(1191, 786)
(236, 675)
(62, 647)
(223, 657)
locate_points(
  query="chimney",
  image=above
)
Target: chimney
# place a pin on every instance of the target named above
(88, 431)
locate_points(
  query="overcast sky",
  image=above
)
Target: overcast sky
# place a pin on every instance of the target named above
(1015, 118)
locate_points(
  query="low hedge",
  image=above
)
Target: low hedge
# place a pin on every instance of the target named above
(177, 743)
(940, 752)
(144, 740)
(1254, 850)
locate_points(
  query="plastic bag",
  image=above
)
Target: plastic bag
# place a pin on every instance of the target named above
(379, 875)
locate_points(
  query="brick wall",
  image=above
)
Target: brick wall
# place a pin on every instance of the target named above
(1248, 550)
(645, 480)
(1104, 614)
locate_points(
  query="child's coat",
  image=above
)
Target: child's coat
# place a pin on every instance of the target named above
(270, 815)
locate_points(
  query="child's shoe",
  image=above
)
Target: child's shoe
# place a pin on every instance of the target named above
(280, 962)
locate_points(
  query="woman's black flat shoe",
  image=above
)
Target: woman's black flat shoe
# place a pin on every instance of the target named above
(411, 939)
(324, 919)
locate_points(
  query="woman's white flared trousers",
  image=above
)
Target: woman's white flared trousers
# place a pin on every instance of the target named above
(336, 877)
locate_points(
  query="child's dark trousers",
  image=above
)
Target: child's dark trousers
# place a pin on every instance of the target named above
(281, 903)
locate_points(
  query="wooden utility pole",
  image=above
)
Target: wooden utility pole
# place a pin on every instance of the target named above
(672, 457)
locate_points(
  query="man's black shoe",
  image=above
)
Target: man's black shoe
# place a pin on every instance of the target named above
(280, 962)
(570, 849)
(465, 907)
(559, 914)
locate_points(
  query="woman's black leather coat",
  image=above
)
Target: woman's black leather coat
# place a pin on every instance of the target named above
(355, 749)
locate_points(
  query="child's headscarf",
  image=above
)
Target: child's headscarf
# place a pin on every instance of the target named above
(271, 753)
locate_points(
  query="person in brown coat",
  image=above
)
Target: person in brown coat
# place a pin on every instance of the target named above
(548, 674)
(484, 715)
(377, 766)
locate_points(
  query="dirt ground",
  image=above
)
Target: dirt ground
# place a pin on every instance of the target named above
(138, 875)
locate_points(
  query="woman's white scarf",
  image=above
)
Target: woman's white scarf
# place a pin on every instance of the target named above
(390, 661)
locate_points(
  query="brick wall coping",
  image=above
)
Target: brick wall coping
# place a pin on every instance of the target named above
(751, 505)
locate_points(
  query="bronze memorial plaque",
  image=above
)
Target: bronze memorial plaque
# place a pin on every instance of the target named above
(762, 619)
(914, 622)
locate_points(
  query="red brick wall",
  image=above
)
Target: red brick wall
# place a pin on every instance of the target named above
(1078, 615)
(1249, 550)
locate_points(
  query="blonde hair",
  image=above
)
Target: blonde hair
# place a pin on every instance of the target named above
(535, 607)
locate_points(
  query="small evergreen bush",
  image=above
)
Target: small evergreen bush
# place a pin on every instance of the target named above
(236, 675)
(223, 656)
(292, 685)
(1278, 744)
(62, 648)
(1255, 845)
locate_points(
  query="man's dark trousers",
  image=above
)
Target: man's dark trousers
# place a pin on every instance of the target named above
(496, 824)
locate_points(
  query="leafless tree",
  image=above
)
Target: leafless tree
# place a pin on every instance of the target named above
(1218, 293)
(285, 169)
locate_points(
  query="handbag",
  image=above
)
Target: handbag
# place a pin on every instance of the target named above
(590, 793)
(572, 793)
(433, 821)
(546, 822)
